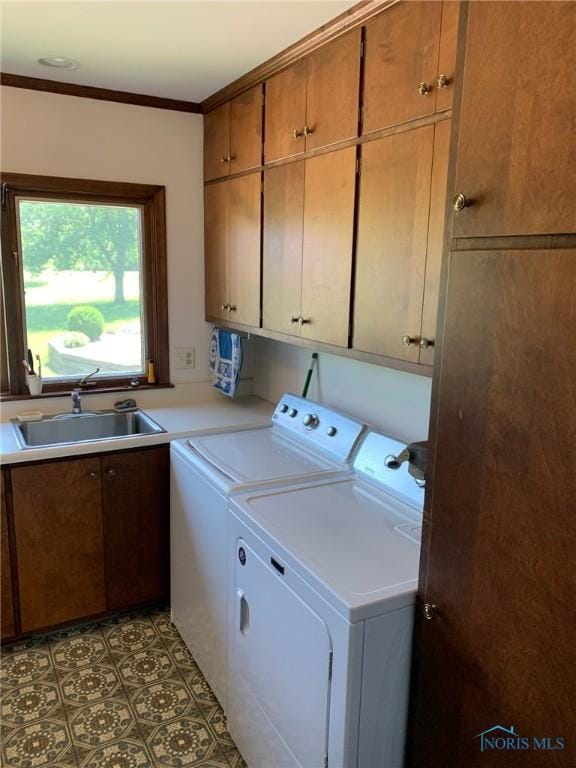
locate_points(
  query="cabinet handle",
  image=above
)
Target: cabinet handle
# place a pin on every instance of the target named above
(308, 130)
(429, 610)
(110, 472)
(93, 475)
(294, 319)
(425, 343)
(460, 202)
(305, 320)
(407, 340)
(225, 307)
(424, 89)
(297, 134)
(442, 81)
(232, 308)
(226, 158)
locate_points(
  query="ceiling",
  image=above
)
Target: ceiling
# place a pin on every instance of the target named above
(180, 50)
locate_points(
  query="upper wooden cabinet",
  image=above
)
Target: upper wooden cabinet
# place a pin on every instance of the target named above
(314, 103)
(516, 160)
(308, 233)
(232, 249)
(399, 242)
(233, 135)
(408, 49)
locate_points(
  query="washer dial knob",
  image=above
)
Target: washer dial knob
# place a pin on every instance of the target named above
(293, 413)
(283, 408)
(310, 421)
(331, 431)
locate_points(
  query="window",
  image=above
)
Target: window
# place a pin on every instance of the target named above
(84, 281)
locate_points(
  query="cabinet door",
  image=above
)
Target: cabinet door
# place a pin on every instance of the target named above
(391, 243)
(7, 625)
(401, 54)
(136, 518)
(216, 226)
(244, 245)
(447, 54)
(58, 528)
(282, 256)
(435, 239)
(246, 130)
(286, 112)
(217, 142)
(501, 537)
(516, 148)
(327, 246)
(332, 93)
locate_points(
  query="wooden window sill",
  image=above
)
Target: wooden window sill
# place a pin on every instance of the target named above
(93, 391)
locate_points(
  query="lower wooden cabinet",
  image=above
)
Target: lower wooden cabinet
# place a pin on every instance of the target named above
(90, 535)
(7, 620)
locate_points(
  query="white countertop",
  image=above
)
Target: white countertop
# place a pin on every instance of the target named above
(207, 411)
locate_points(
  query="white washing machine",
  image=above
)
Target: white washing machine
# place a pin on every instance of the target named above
(304, 441)
(322, 582)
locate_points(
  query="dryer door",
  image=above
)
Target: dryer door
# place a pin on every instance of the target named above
(280, 659)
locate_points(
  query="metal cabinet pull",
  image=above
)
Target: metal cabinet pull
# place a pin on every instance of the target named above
(93, 475)
(425, 343)
(298, 134)
(225, 307)
(460, 202)
(111, 472)
(424, 89)
(232, 308)
(429, 610)
(308, 130)
(305, 320)
(294, 319)
(407, 340)
(226, 158)
(442, 81)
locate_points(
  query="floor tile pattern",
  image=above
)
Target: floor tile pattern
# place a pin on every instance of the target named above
(122, 693)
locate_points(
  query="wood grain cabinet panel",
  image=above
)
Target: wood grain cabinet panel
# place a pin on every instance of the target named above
(136, 519)
(246, 130)
(314, 103)
(447, 55)
(286, 112)
(516, 150)
(402, 45)
(391, 243)
(282, 247)
(435, 245)
(216, 243)
(8, 624)
(500, 561)
(327, 246)
(333, 92)
(244, 249)
(59, 545)
(217, 142)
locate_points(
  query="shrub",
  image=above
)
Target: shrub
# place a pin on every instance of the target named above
(75, 339)
(88, 320)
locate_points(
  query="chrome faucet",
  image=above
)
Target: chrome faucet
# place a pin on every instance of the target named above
(76, 401)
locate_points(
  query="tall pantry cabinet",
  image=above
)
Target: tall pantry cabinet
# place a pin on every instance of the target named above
(494, 638)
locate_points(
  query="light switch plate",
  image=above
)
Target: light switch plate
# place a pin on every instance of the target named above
(184, 358)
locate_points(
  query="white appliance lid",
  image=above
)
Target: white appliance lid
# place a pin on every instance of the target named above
(259, 455)
(358, 547)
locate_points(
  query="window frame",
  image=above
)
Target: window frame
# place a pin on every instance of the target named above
(151, 199)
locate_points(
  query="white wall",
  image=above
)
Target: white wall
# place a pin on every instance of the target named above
(396, 402)
(44, 133)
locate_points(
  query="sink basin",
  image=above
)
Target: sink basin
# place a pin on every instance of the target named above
(83, 428)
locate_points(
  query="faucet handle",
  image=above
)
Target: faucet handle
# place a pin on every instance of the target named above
(84, 380)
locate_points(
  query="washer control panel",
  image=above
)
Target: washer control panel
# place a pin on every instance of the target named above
(324, 428)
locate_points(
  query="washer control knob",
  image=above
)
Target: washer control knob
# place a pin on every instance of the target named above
(292, 413)
(283, 408)
(331, 431)
(310, 421)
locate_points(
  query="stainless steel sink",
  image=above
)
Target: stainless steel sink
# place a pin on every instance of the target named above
(68, 429)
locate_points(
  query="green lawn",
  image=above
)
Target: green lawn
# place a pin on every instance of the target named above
(51, 295)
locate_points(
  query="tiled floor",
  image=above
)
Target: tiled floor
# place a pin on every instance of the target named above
(123, 693)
